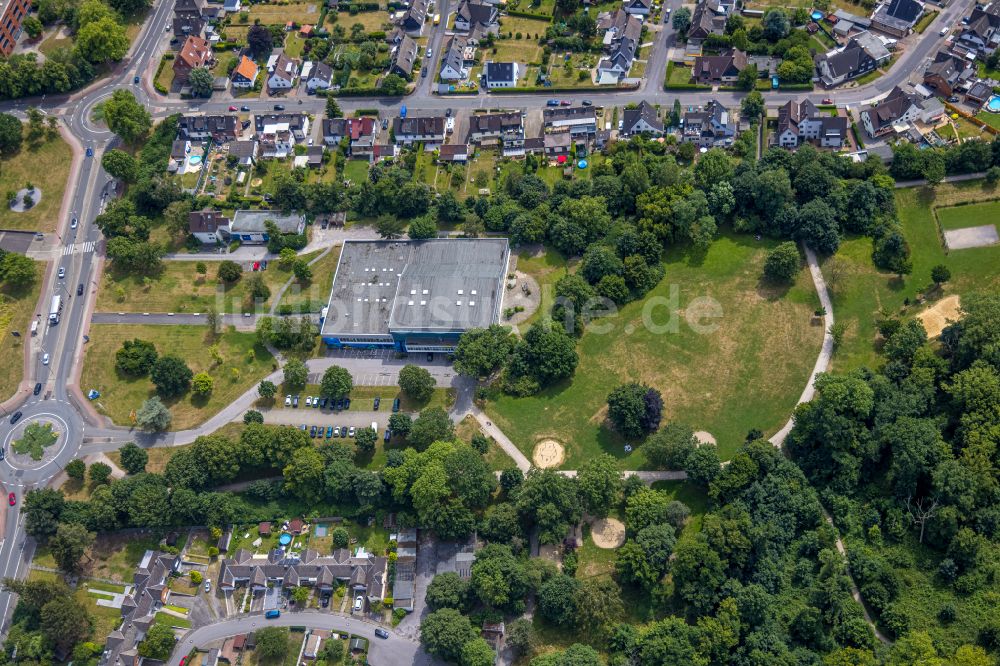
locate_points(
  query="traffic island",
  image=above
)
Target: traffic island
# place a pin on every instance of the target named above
(33, 442)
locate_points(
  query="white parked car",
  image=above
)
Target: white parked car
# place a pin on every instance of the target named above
(288, 401)
(62, 272)
(309, 401)
(359, 603)
(45, 359)
(72, 224)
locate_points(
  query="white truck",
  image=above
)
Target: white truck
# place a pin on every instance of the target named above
(55, 309)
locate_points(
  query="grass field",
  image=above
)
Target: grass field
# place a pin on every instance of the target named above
(356, 171)
(860, 291)
(546, 266)
(745, 373)
(314, 296)
(678, 75)
(372, 21)
(300, 12)
(518, 50)
(973, 215)
(120, 395)
(46, 166)
(991, 119)
(528, 27)
(179, 288)
(17, 309)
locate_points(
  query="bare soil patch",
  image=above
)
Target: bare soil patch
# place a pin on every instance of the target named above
(705, 437)
(548, 453)
(607, 532)
(936, 317)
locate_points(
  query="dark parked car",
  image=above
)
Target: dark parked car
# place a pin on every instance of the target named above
(347, 403)
(312, 431)
(388, 434)
(381, 633)
(79, 289)
(378, 401)
(38, 388)
(322, 403)
(552, 102)
(16, 417)
(244, 108)
(295, 401)
(279, 107)
(329, 432)
(587, 102)
(135, 80)
(3, 453)
(395, 405)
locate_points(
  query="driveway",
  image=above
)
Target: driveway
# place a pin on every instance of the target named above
(426, 568)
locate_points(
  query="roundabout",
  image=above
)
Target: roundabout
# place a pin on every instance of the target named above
(36, 441)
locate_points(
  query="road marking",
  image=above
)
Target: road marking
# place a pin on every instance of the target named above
(79, 248)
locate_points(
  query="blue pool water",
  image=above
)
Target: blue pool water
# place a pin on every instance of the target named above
(993, 104)
(817, 15)
(285, 539)
(194, 160)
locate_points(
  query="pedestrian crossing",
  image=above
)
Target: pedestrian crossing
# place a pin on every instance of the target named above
(79, 248)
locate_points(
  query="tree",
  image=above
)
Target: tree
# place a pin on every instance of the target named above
(634, 409)
(747, 80)
(478, 652)
(128, 7)
(65, 622)
(547, 354)
(422, 227)
(940, 274)
(892, 253)
(365, 439)
(76, 469)
(671, 446)
(599, 483)
(333, 108)
(135, 358)
(296, 375)
(125, 116)
(303, 475)
(681, 20)
(432, 425)
(200, 79)
(159, 642)
(400, 424)
(782, 263)
(69, 545)
(272, 643)
(480, 352)
(703, 465)
(557, 600)
(336, 382)
(448, 590)
(123, 166)
(775, 24)
(153, 415)
(499, 579)
(259, 40)
(600, 607)
(549, 501)
(230, 271)
(102, 42)
(302, 271)
(340, 537)
(99, 473)
(444, 633)
(252, 416)
(267, 390)
(171, 376)
(521, 636)
(17, 270)
(11, 133)
(417, 382)
(390, 226)
(202, 383)
(133, 458)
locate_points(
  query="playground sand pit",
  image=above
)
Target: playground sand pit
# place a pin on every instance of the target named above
(936, 317)
(704, 437)
(548, 453)
(981, 236)
(607, 532)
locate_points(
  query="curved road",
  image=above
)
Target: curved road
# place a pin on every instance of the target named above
(381, 652)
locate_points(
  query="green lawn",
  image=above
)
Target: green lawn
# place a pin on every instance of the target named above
(973, 215)
(46, 166)
(120, 395)
(746, 370)
(314, 296)
(546, 267)
(372, 21)
(17, 310)
(36, 438)
(356, 171)
(302, 13)
(116, 555)
(859, 291)
(991, 119)
(518, 50)
(678, 74)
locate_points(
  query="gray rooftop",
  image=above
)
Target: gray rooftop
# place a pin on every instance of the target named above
(254, 221)
(431, 286)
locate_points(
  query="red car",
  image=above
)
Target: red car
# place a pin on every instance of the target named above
(184, 660)
(564, 102)
(828, 100)
(232, 108)
(11, 499)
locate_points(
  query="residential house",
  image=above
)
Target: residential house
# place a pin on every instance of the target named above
(979, 92)
(897, 17)
(558, 143)
(507, 129)
(472, 13)
(232, 6)
(982, 33)
(721, 69)
(264, 528)
(195, 53)
(314, 157)
(219, 128)
(428, 130)
(501, 74)
(150, 591)
(704, 22)
(453, 66)
(383, 152)
(622, 32)
(250, 226)
(578, 121)
(359, 131)
(404, 56)
(282, 72)
(454, 152)
(314, 645)
(245, 73)
(638, 7)
(948, 73)
(296, 123)
(189, 18)
(178, 154)
(803, 121)
(641, 120)
(413, 20)
(246, 152)
(205, 224)
(713, 125)
(857, 58)
(897, 109)
(363, 573)
(320, 77)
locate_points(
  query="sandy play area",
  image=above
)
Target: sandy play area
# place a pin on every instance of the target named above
(982, 236)
(704, 437)
(607, 532)
(936, 317)
(548, 453)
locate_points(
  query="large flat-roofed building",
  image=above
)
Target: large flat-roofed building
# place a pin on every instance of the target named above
(415, 295)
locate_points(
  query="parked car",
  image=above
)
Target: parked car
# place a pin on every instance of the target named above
(208, 586)
(350, 433)
(90, 151)
(45, 359)
(828, 100)
(378, 401)
(288, 401)
(232, 108)
(79, 289)
(587, 102)
(324, 601)
(381, 633)
(565, 102)
(316, 402)
(322, 403)
(312, 431)
(279, 107)
(395, 405)
(12, 500)
(388, 435)
(336, 431)
(73, 223)
(16, 417)
(271, 614)
(359, 601)
(347, 403)
(309, 401)
(447, 113)
(135, 80)
(62, 272)
(552, 102)
(329, 432)
(38, 388)
(953, 99)
(244, 108)
(295, 401)
(3, 453)
(429, 51)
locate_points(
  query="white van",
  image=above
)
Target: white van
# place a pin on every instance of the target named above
(375, 426)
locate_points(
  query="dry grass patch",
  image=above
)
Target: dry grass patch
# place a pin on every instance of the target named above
(46, 166)
(17, 309)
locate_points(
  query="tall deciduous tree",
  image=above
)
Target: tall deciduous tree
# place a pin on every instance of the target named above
(336, 382)
(133, 458)
(417, 382)
(123, 114)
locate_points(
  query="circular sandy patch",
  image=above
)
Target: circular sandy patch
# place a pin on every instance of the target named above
(607, 532)
(704, 437)
(256, 182)
(548, 453)
(937, 317)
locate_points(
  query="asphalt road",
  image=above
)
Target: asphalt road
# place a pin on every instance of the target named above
(393, 651)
